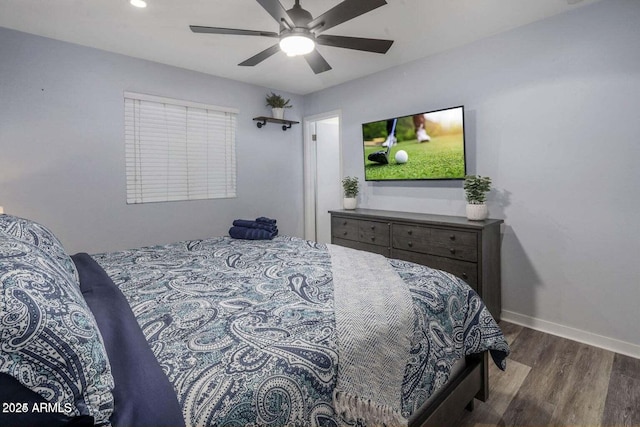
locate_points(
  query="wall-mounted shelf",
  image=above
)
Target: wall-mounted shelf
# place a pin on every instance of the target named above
(263, 120)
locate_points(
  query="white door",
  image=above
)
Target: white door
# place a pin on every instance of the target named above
(323, 188)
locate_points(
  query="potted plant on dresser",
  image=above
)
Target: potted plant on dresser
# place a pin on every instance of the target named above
(476, 189)
(277, 104)
(350, 186)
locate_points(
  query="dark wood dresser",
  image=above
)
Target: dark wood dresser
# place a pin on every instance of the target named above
(468, 249)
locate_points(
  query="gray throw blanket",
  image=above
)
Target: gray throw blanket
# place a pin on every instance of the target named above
(374, 321)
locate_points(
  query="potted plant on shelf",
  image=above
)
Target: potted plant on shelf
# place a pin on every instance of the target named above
(277, 104)
(476, 189)
(350, 186)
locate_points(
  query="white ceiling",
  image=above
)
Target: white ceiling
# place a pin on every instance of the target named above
(161, 32)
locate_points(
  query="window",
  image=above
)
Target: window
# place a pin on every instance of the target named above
(178, 150)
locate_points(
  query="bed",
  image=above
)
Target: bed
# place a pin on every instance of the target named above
(223, 331)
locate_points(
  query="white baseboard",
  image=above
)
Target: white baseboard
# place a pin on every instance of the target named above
(611, 344)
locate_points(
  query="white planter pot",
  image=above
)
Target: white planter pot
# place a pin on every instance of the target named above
(349, 202)
(277, 113)
(477, 212)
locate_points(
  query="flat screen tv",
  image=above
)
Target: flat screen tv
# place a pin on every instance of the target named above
(424, 146)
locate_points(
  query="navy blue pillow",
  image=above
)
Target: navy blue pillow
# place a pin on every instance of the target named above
(143, 396)
(22, 407)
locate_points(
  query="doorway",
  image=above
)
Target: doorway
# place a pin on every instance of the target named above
(322, 174)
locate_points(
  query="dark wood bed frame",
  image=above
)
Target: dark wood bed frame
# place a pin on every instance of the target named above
(457, 395)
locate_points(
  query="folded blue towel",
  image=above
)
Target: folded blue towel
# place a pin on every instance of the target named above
(251, 233)
(254, 224)
(266, 220)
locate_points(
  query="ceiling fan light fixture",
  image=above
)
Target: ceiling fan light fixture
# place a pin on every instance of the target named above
(297, 44)
(138, 3)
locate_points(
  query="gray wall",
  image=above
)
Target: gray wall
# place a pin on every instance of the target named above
(552, 115)
(62, 147)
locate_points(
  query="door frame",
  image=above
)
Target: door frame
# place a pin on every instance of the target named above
(310, 170)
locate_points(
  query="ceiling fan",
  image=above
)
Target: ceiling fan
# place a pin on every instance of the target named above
(300, 32)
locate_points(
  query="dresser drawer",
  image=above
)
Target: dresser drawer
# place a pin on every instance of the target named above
(411, 238)
(467, 271)
(374, 233)
(344, 228)
(456, 244)
(454, 237)
(382, 250)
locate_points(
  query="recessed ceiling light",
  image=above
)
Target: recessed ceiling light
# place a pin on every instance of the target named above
(138, 3)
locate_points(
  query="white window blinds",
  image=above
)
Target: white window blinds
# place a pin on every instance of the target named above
(178, 150)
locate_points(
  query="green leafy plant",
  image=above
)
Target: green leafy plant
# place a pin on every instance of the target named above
(350, 186)
(276, 101)
(476, 188)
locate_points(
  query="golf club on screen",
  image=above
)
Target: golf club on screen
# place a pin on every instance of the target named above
(382, 156)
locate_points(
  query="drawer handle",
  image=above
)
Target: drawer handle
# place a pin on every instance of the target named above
(373, 227)
(464, 276)
(410, 232)
(452, 250)
(452, 237)
(373, 238)
(345, 233)
(410, 244)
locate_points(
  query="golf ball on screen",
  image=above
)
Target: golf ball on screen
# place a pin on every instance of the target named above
(402, 156)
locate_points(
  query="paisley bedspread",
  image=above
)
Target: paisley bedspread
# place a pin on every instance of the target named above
(245, 330)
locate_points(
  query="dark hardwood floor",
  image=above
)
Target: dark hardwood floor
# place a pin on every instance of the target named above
(552, 381)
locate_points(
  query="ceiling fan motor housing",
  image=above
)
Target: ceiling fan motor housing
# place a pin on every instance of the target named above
(299, 16)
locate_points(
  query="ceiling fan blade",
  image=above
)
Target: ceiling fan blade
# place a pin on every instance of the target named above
(232, 31)
(276, 10)
(343, 12)
(356, 43)
(317, 62)
(256, 59)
